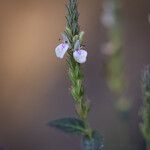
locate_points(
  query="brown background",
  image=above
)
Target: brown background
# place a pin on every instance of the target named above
(34, 85)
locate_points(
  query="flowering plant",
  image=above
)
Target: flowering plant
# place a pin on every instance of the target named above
(72, 46)
(113, 52)
(145, 113)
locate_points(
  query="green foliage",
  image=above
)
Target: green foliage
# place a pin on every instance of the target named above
(115, 63)
(69, 125)
(76, 77)
(145, 126)
(146, 84)
(123, 105)
(75, 73)
(72, 17)
(95, 142)
(115, 72)
(81, 35)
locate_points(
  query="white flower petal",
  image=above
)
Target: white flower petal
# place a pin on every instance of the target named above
(61, 49)
(80, 56)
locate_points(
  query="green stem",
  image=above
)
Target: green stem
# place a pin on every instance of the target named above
(146, 106)
(75, 71)
(77, 88)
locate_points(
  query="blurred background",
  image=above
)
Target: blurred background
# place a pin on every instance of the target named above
(34, 83)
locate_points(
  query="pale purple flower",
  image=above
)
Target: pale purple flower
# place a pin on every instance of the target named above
(80, 56)
(61, 49)
(108, 18)
(108, 48)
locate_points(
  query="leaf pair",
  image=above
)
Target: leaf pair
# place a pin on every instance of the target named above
(77, 126)
(69, 125)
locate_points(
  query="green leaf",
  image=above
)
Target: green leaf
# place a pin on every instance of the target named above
(69, 125)
(68, 31)
(93, 143)
(75, 94)
(81, 36)
(75, 38)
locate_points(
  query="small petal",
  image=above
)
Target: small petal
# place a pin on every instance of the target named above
(61, 50)
(64, 38)
(80, 56)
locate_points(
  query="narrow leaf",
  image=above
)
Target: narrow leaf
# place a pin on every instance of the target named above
(75, 38)
(81, 36)
(69, 125)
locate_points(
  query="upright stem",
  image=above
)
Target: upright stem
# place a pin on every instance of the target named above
(75, 71)
(145, 127)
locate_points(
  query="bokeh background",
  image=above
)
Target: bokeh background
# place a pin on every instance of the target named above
(34, 83)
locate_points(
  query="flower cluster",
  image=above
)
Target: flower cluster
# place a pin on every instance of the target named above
(79, 53)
